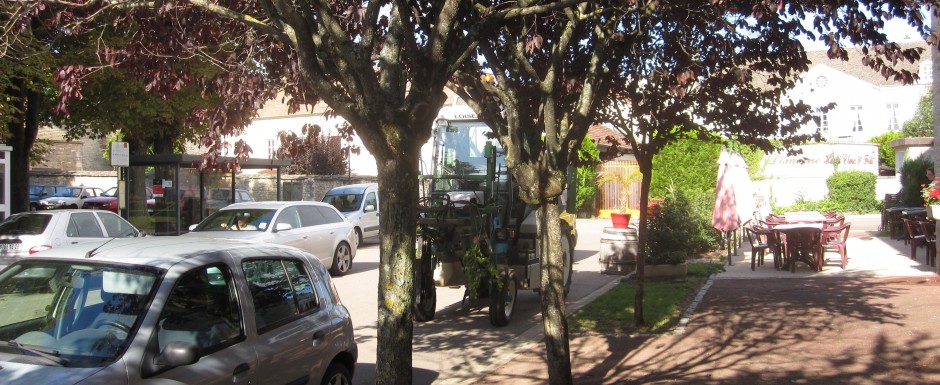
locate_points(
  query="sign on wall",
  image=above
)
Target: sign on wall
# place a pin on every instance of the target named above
(821, 160)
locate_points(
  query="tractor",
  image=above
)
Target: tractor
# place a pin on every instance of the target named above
(473, 229)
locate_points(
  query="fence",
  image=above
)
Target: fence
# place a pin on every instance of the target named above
(608, 197)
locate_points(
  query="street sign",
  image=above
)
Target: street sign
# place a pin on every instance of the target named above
(120, 154)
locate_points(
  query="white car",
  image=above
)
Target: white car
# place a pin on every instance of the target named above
(314, 227)
(68, 198)
(31, 232)
(173, 310)
(359, 203)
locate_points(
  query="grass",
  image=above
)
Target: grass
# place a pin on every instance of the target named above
(664, 302)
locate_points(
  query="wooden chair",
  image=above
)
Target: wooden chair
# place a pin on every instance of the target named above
(891, 200)
(914, 236)
(929, 230)
(802, 244)
(758, 239)
(896, 224)
(835, 239)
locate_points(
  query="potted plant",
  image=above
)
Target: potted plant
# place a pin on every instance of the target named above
(622, 180)
(931, 194)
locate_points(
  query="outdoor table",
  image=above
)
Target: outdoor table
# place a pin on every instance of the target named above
(804, 216)
(780, 232)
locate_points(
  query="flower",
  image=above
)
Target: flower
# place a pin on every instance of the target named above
(931, 194)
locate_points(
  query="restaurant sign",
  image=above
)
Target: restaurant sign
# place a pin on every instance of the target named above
(821, 160)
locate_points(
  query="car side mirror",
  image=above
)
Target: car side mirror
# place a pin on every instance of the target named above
(193, 226)
(369, 208)
(282, 226)
(175, 354)
(84, 197)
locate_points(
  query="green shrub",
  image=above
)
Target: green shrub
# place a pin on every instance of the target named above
(586, 173)
(852, 191)
(678, 227)
(885, 151)
(689, 163)
(913, 175)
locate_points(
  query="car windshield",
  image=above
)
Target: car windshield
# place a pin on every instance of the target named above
(25, 224)
(35, 190)
(68, 192)
(344, 202)
(237, 219)
(112, 192)
(72, 314)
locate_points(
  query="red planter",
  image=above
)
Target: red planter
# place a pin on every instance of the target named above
(619, 220)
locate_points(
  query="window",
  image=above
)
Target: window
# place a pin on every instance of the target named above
(856, 117)
(370, 200)
(272, 148)
(823, 120)
(83, 225)
(290, 216)
(115, 225)
(892, 109)
(329, 215)
(310, 215)
(202, 309)
(281, 291)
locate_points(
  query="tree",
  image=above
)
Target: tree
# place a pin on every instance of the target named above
(547, 76)
(921, 124)
(314, 152)
(26, 65)
(381, 65)
(722, 70)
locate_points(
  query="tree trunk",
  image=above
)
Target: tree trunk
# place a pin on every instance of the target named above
(552, 296)
(22, 136)
(646, 168)
(398, 186)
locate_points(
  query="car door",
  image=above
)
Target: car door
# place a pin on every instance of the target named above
(369, 222)
(81, 227)
(321, 235)
(296, 236)
(293, 329)
(203, 309)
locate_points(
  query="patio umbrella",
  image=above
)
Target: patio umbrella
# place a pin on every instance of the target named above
(734, 203)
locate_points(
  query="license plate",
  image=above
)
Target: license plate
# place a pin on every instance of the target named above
(9, 246)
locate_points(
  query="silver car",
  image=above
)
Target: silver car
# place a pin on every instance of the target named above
(69, 198)
(314, 227)
(26, 233)
(162, 310)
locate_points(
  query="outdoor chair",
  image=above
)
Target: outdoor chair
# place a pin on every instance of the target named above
(802, 244)
(835, 239)
(929, 230)
(914, 236)
(891, 200)
(831, 214)
(759, 245)
(896, 224)
(834, 221)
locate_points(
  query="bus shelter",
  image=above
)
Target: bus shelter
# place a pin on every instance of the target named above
(165, 194)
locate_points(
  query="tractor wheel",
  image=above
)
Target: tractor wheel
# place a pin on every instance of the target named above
(503, 301)
(567, 261)
(425, 292)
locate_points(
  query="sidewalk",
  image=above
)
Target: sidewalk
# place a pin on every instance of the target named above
(873, 323)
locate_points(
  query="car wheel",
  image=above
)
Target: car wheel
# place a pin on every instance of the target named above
(358, 237)
(342, 259)
(337, 374)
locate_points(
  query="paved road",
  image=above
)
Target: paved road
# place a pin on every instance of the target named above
(460, 344)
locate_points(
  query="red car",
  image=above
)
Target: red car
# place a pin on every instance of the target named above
(109, 201)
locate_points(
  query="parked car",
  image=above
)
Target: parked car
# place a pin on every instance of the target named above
(161, 310)
(314, 227)
(108, 200)
(359, 203)
(27, 233)
(220, 197)
(69, 198)
(39, 191)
